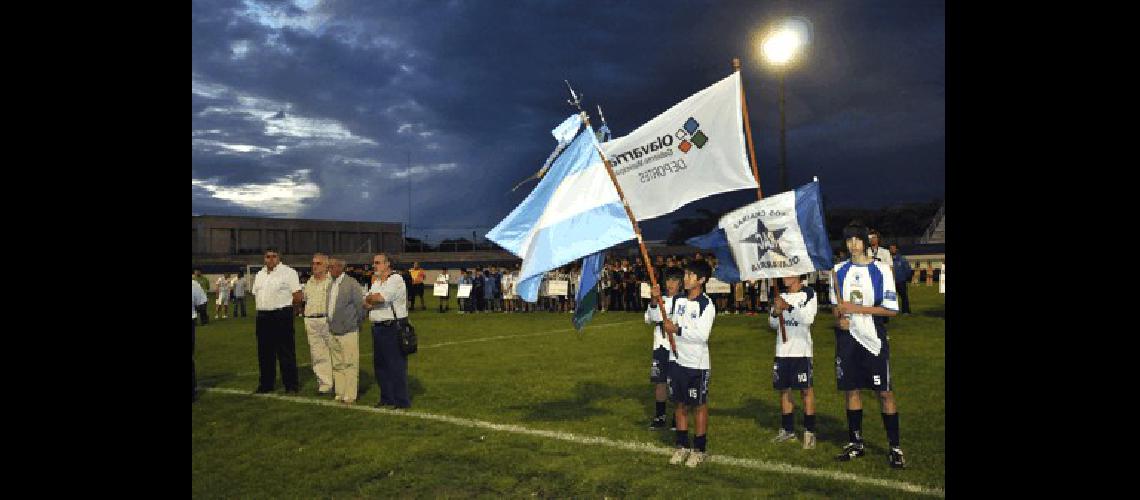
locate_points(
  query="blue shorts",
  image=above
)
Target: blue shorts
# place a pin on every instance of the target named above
(659, 370)
(792, 373)
(688, 386)
(856, 368)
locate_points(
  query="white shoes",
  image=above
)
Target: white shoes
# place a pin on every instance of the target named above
(679, 456)
(809, 440)
(696, 458)
(784, 436)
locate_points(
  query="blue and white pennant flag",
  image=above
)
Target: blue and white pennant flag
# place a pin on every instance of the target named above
(781, 235)
(574, 211)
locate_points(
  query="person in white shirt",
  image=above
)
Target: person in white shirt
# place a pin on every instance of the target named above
(444, 279)
(866, 296)
(508, 291)
(388, 299)
(277, 291)
(793, 366)
(223, 302)
(878, 253)
(663, 357)
(691, 324)
(316, 292)
(239, 294)
(198, 297)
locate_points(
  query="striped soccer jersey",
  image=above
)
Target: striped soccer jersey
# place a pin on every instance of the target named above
(868, 285)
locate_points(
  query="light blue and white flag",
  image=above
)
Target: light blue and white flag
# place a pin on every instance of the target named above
(781, 235)
(573, 212)
(563, 133)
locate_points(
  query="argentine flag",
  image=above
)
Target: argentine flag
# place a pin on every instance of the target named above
(574, 211)
(781, 235)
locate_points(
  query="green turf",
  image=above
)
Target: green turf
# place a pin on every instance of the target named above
(589, 384)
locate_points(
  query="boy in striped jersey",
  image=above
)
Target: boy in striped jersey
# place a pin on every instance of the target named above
(688, 382)
(663, 357)
(862, 354)
(793, 365)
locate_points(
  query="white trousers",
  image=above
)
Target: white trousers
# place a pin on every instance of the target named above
(317, 330)
(345, 352)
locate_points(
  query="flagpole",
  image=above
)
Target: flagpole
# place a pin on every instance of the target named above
(756, 173)
(637, 231)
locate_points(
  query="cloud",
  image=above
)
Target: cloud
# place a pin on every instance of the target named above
(285, 197)
(354, 91)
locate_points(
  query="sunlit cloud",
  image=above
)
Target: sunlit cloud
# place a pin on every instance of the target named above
(285, 197)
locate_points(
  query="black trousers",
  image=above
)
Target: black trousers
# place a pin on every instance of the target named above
(204, 313)
(615, 300)
(193, 369)
(904, 297)
(418, 291)
(275, 342)
(239, 305)
(390, 366)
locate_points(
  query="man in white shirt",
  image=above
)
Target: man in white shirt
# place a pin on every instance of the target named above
(444, 279)
(223, 302)
(239, 294)
(198, 298)
(388, 299)
(793, 366)
(316, 292)
(862, 354)
(878, 253)
(276, 290)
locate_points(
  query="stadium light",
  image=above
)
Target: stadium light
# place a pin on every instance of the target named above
(779, 49)
(783, 43)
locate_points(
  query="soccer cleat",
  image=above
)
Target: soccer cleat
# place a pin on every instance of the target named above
(783, 436)
(809, 440)
(679, 456)
(657, 423)
(895, 458)
(852, 450)
(696, 458)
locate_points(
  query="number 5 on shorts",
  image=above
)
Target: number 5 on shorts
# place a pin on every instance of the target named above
(878, 381)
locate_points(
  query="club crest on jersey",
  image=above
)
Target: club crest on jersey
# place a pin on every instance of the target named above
(890, 295)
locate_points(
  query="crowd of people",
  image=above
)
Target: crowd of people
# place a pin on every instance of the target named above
(335, 299)
(231, 290)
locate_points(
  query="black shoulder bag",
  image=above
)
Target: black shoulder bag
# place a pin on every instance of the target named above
(409, 344)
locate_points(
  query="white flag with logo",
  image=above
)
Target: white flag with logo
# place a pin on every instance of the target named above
(693, 150)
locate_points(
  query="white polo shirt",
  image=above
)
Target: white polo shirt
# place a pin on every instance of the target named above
(394, 293)
(274, 290)
(198, 297)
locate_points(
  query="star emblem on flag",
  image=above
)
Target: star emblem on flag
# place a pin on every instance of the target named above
(766, 240)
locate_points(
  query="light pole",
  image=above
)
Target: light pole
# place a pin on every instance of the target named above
(780, 49)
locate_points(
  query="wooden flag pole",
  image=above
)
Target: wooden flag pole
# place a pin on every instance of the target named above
(637, 231)
(773, 284)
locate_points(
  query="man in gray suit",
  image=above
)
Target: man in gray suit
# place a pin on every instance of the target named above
(345, 312)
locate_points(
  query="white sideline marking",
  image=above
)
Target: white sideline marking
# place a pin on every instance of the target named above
(749, 463)
(485, 339)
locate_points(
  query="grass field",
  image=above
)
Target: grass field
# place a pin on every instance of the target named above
(520, 405)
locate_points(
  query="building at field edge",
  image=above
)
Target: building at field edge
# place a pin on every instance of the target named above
(222, 236)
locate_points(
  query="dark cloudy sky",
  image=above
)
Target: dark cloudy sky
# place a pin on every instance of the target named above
(312, 109)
